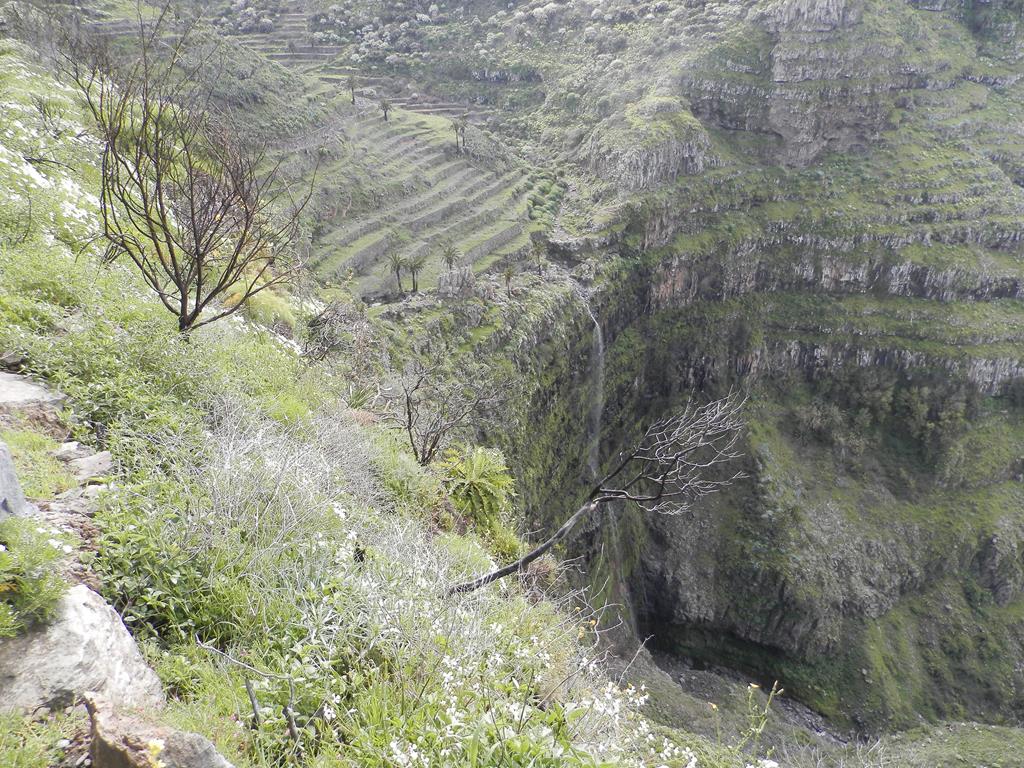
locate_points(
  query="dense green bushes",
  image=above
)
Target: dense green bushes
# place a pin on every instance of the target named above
(270, 555)
(855, 407)
(480, 486)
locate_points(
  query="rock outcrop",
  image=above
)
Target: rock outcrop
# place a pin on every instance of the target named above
(86, 648)
(121, 741)
(12, 500)
(20, 395)
(92, 466)
(817, 75)
(656, 141)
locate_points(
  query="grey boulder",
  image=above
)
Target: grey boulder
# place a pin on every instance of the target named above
(86, 648)
(71, 451)
(120, 741)
(93, 466)
(21, 395)
(12, 500)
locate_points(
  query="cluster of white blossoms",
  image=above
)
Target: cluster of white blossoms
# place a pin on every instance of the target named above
(39, 140)
(487, 668)
(407, 754)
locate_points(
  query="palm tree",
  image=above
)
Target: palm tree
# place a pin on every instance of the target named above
(479, 483)
(508, 274)
(538, 256)
(449, 254)
(385, 107)
(396, 263)
(455, 130)
(415, 265)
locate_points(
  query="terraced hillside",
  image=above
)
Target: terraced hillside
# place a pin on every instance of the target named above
(430, 196)
(288, 40)
(287, 37)
(819, 201)
(396, 189)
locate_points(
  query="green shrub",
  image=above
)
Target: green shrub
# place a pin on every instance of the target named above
(176, 571)
(271, 310)
(481, 487)
(411, 488)
(29, 585)
(479, 483)
(42, 475)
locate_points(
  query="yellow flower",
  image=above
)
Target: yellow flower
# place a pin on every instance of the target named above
(155, 747)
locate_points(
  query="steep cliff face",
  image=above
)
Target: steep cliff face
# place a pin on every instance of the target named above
(871, 562)
(819, 76)
(867, 292)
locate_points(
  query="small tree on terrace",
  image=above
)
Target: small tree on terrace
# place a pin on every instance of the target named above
(455, 130)
(449, 254)
(184, 200)
(664, 473)
(538, 252)
(396, 263)
(385, 107)
(352, 87)
(415, 265)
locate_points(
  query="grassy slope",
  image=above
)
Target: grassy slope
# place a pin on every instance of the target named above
(244, 489)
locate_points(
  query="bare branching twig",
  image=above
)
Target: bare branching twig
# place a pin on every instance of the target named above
(430, 406)
(288, 710)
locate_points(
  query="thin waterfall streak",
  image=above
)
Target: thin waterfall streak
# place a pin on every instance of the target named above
(596, 413)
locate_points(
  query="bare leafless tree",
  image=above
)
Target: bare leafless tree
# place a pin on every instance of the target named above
(668, 470)
(430, 404)
(182, 197)
(344, 329)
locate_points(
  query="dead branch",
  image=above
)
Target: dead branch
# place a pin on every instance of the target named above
(288, 709)
(340, 328)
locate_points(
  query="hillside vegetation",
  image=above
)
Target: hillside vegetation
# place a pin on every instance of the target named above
(592, 212)
(261, 531)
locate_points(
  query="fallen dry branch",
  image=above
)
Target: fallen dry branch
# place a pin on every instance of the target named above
(668, 470)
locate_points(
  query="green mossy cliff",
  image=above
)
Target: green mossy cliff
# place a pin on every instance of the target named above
(829, 216)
